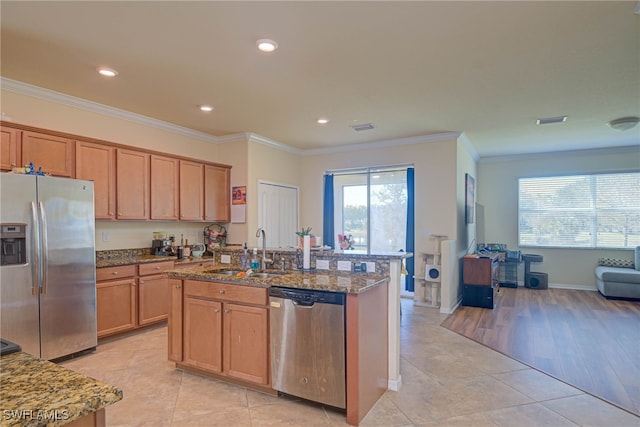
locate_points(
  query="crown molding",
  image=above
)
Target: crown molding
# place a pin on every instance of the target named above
(635, 149)
(253, 137)
(94, 107)
(466, 143)
(385, 143)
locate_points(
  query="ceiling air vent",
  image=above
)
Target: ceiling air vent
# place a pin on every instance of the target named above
(549, 120)
(365, 126)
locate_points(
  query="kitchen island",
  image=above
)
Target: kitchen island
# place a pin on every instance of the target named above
(36, 392)
(218, 326)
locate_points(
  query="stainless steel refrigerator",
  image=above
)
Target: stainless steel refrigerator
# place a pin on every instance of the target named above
(47, 268)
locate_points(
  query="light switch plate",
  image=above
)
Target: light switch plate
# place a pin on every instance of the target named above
(322, 264)
(344, 265)
(371, 267)
(105, 236)
(225, 259)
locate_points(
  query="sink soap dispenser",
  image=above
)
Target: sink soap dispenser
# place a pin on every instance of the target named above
(255, 264)
(245, 257)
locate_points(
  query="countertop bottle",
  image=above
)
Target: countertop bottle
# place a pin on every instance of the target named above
(255, 264)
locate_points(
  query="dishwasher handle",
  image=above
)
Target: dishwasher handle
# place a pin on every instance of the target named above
(303, 303)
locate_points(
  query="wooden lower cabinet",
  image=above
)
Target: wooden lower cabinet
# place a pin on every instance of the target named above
(203, 334)
(175, 320)
(225, 330)
(132, 296)
(153, 299)
(245, 342)
(116, 306)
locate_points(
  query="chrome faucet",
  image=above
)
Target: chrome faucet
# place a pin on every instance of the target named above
(265, 260)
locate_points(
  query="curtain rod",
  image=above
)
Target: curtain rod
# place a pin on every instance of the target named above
(385, 168)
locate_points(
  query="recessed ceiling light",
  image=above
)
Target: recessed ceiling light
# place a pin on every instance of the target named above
(206, 108)
(267, 45)
(107, 72)
(549, 120)
(322, 121)
(624, 123)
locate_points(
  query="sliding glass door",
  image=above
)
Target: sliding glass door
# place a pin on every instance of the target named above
(371, 207)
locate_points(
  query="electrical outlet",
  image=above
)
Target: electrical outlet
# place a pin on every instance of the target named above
(322, 264)
(225, 259)
(105, 236)
(371, 267)
(344, 265)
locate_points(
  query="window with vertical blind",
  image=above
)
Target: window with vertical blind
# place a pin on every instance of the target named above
(580, 211)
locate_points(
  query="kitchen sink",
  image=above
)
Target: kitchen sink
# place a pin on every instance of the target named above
(265, 275)
(226, 272)
(230, 272)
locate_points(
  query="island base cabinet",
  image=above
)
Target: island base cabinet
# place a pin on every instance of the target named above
(203, 334)
(225, 331)
(116, 308)
(246, 343)
(175, 321)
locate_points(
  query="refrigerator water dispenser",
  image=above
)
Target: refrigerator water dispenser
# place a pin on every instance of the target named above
(12, 238)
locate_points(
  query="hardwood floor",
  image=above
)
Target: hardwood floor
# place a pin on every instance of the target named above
(578, 337)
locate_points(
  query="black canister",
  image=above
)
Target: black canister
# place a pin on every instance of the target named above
(180, 252)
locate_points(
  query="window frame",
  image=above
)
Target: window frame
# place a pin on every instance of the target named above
(593, 211)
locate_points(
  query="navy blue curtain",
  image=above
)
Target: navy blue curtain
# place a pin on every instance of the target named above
(328, 238)
(411, 244)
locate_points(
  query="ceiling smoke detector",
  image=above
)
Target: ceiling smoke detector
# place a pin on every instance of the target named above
(549, 120)
(365, 126)
(624, 123)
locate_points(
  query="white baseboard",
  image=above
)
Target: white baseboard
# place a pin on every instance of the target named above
(573, 287)
(395, 385)
(447, 310)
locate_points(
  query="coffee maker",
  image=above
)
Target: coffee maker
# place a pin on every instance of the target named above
(162, 247)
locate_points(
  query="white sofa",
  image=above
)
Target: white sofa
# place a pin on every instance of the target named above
(620, 282)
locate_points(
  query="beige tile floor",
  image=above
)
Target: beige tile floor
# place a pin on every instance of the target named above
(448, 380)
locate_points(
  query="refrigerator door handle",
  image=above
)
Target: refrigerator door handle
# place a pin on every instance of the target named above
(35, 250)
(45, 248)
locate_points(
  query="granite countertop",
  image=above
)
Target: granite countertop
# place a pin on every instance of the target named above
(142, 259)
(36, 392)
(325, 253)
(324, 280)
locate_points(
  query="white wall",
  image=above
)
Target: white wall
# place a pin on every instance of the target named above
(435, 184)
(497, 184)
(268, 163)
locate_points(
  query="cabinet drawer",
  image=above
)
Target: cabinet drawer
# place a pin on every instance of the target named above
(225, 292)
(154, 268)
(118, 272)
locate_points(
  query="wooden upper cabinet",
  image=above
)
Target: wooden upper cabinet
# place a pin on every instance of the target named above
(53, 154)
(10, 149)
(97, 163)
(217, 197)
(132, 184)
(164, 187)
(191, 191)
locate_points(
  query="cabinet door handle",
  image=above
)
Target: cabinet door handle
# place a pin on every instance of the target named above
(178, 286)
(157, 267)
(142, 282)
(115, 273)
(221, 292)
(217, 310)
(226, 311)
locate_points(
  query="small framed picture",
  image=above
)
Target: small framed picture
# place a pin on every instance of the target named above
(469, 199)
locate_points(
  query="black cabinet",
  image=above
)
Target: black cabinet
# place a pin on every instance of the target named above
(480, 280)
(478, 296)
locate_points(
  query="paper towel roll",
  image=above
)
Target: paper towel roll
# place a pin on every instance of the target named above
(306, 249)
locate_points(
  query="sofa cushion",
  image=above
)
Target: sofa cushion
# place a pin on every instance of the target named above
(612, 262)
(613, 274)
(637, 258)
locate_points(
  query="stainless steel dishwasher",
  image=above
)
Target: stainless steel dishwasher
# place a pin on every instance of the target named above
(308, 344)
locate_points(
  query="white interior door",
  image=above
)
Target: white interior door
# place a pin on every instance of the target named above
(278, 213)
